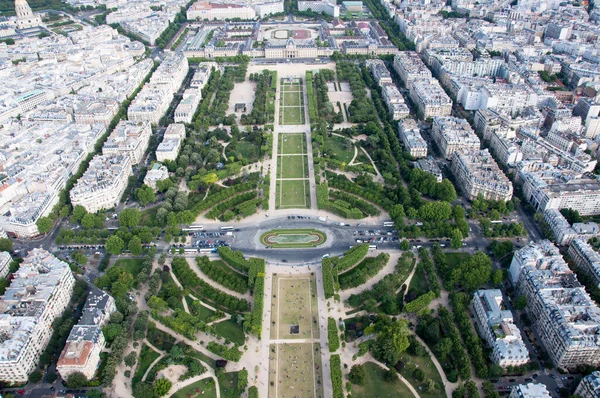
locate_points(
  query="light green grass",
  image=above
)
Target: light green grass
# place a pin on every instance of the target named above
(419, 283)
(375, 385)
(204, 313)
(305, 238)
(231, 331)
(292, 98)
(206, 389)
(291, 143)
(291, 166)
(292, 115)
(131, 265)
(293, 194)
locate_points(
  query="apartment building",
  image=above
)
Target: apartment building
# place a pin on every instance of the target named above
(184, 112)
(565, 317)
(202, 74)
(5, 260)
(319, 6)
(589, 386)
(151, 103)
(173, 138)
(409, 67)
(507, 151)
(452, 134)
(477, 173)
(495, 325)
(103, 183)
(379, 71)
(158, 172)
(430, 166)
(430, 98)
(394, 101)
(409, 134)
(530, 390)
(561, 229)
(586, 258)
(129, 138)
(39, 293)
(86, 341)
(96, 110)
(171, 71)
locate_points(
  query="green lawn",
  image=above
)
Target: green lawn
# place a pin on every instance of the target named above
(293, 193)
(292, 115)
(375, 385)
(204, 314)
(292, 98)
(147, 356)
(419, 283)
(231, 331)
(411, 363)
(291, 143)
(291, 87)
(292, 166)
(190, 351)
(228, 385)
(147, 217)
(131, 265)
(158, 338)
(227, 270)
(205, 388)
(248, 150)
(340, 148)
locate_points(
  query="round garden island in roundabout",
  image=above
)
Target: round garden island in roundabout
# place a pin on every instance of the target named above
(293, 238)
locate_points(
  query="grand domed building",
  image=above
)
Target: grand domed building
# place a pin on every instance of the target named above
(26, 19)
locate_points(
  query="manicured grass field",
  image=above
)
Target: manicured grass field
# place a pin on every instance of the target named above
(205, 388)
(292, 98)
(298, 371)
(292, 143)
(204, 358)
(453, 259)
(376, 386)
(228, 385)
(231, 331)
(131, 265)
(147, 356)
(411, 363)
(291, 166)
(293, 193)
(295, 304)
(291, 87)
(419, 283)
(292, 115)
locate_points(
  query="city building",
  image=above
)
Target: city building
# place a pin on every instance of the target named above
(380, 72)
(184, 112)
(409, 134)
(202, 74)
(409, 67)
(529, 390)
(38, 294)
(129, 138)
(205, 10)
(586, 258)
(566, 319)
(5, 260)
(452, 134)
(151, 103)
(430, 166)
(589, 386)
(103, 183)
(86, 340)
(495, 325)
(477, 173)
(319, 6)
(394, 101)
(158, 172)
(561, 229)
(430, 98)
(26, 19)
(173, 138)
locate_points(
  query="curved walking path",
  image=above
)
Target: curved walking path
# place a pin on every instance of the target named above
(369, 358)
(448, 386)
(161, 356)
(208, 375)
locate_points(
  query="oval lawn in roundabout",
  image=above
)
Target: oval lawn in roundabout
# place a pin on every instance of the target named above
(293, 238)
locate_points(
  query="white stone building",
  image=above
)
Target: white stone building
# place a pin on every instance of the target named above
(409, 134)
(5, 260)
(38, 294)
(186, 108)
(530, 390)
(586, 258)
(589, 387)
(430, 98)
(496, 326)
(158, 172)
(129, 138)
(452, 134)
(409, 67)
(103, 183)
(477, 173)
(173, 138)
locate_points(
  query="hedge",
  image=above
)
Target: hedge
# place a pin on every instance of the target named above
(332, 334)
(231, 280)
(351, 257)
(355, 201)
(312, 99)
(360, 274)
(336, 376)
(257, 311)
(328, 280)
(230, 203)
(420, 302)
(253, 266)
(459, 354)
(324, 203)
(231, 354)
(190, 280)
